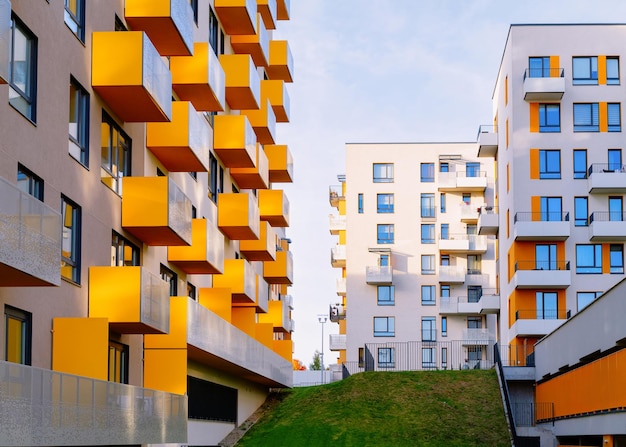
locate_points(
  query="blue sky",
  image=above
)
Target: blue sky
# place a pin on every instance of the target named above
(387, 71)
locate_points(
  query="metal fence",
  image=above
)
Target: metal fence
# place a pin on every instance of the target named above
(528, 414)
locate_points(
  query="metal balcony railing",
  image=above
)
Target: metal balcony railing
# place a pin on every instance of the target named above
(542, 265)
(528, 414)
(544, 73)
(607, 216)
(488, 209)
(606, 168)
(542, 314)
(517, 355)
(541, 217)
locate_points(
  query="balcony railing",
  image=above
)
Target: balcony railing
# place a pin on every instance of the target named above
(337, 342)
(517, 355)
(484, 301)
(43, 407)
(544, 84)
(606, 178)
(335, 193)
(541, 226)
(528, 414)
(542, 265)
(464, 243)
(607, 216)
(541, 217)
(337, 313)
(336, 223)
(451, 274)
(488, 220)
(338, 256)
(377, 274)
(487, 139)
(607, 226)
(476, 336)
(545, 314)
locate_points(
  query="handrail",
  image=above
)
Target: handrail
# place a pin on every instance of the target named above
(607, 168)
(542, 265)
(505, 391)
(539, 216)
(486, 128)
(607, 216)
(540, 73)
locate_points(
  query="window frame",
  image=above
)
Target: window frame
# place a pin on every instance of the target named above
(543, 71)
(124, 352)
(542, 312)
(360, 203)
(35, 185)
(616, 265)
(383, 172)
(427, 233)
(428, 267)
(26, 332)
(81, 140)
(386, 295)
(429, 329)
(590, 77)
(74, 260)
(385, 233)
(385, 203)
(125, 143)
(442, 202)
(427, 172)
(386, 326)
(169, 276)
(428, 295)
(593, 268)
(614, 117)
(593, 295)
(546, 114)
(578, 211)
(578, 173)
(121, 245)
(549, 166)
(427, 205)
(75, 20)
(386, 357)
(593, 114)
(29, 93)
(612, 80)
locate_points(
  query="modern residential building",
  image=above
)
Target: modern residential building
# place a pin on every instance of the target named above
(144, 259)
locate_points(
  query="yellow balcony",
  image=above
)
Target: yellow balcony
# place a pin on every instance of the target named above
(256, 177)
(264, 334)
(134, 300)
(168, 24)
(284, 348)
(274, 207)
(257, 45)
(205, 255)
(200, 79)
(263, 121)
(182, 145)
(263, 249)
(268, 10)
(243, 86)
(279, 271)
(240, 278)
(234, 141)
(156, 211)
(281, 61)
(276, 92)
(5, 39)
(130, 76)
(280, 163)
(278, 315)
(236, 16)
(262, 296)
(238, 216)
(283, 9)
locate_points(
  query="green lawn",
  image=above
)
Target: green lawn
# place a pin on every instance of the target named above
(426, 408)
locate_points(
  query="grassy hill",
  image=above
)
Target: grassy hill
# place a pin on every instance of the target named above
(425, 408)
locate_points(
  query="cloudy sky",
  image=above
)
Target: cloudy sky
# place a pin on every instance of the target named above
(387, 71)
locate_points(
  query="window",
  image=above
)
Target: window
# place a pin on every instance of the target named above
(386, 296)
(17, 336)
(539, 67)
(471, 229)
(444, 167)
(428, 205)
(428, 233)
(549, 117)
(615, 209)
(545, 257)
(617, 258)
(474, 293)
(428, 264)
(586, 117)
(383, 172)
(614, 117)
(383, 260)
(549, 164)
(442, 202)
(428, 357)
(70, 249)
(445, 290)
(444, 326)
(429, 332)
(123, 252)
(384, 326)
(474, 265)
(75, 17)
(79, 122)
(589, 258)
(361, 357)
(445, 260)
(615, 159)
(360, 203)
(171, 278)
(191, 291)
(194, 8)
(386, 358)
(472, 169)
(583, 299)
(118, 362)
(474, 322)
(612, 70)
(580, 163)
(23, 69)
(585, 70)
(115, 154)
(581, 211)
(444, 357)
(445, 231)
(467, 198)
(214, 32)
(547, 305)
(385, 233)
(551, 209)
(475, 355)
(29, 182)
(216, 178)
(428, 296)
(384, 203)
(427, 172)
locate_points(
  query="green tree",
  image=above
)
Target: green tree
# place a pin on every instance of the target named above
(316, 365)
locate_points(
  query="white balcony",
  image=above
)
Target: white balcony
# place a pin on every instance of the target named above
(341, 286)
(338, 256)
(469, 213)
(544, 85)
(534, 275)
(451, 274)
(379, 275)
(487, 141)
(461, 181)
(607, 178)
(475, 336)
(464, 243)
(337, 342)
(607, 226)
(489, 302)
(530, 226)
(336, 224)
(488, 221)
(335, 194)
(528, 323)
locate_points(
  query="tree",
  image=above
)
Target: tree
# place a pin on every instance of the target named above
(298, 365)
(316, 365)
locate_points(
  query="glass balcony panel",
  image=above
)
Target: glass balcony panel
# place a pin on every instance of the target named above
(607, 226)
(337, 342)
(205, 255)
(243, 85)
(238, 216)
(281, 61)
(378, 274)
(532, 226)
(239, 276)
(451, 274)
(237, 16)
(476, 336)
(256, 177)
(257, 45)
(280, 163)
(234, 141)
(263, 249)
(5, 39)
(279, 271)
(269, 10)
(274, 207)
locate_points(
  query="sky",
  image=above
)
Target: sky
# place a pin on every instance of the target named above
(386, 71)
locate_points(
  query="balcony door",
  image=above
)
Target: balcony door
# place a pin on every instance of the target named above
(551, 209)
(547, 307)
(545, 257)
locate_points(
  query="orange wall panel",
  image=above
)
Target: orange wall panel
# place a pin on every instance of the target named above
(534, 117)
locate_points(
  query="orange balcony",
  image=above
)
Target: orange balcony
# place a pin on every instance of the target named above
(263, 121)
(262, 296)
(276, 91)
(168, 24)
(280, 163)
(156, 211)
(263, 249)
(279, 315)
(138, 85)
(238, 216)
(274, 207)
(268, 10)
(240, 278)
(236, 16)
(284, 348)
(256, 177)
(134, 300)
(234, 141)
(183, 144)
(200, 79)
(281, 61)
(256, 45)
(243, 86)
(205, 255)
(279, 271)
(283, 9)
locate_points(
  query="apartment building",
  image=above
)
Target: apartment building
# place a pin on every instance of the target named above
(417, 285)
(144, 257)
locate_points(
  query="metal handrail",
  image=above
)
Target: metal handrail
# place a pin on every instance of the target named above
(542, 265)
(552, 72)
(505, 390)
(534, 216)
(534, 314)
(607, 216)
(607, 168)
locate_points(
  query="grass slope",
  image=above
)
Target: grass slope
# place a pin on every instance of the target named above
(426, 408)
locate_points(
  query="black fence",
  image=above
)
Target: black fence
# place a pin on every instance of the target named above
(528, 414)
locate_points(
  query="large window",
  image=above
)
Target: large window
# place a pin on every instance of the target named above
(551, 209)
(118, 362)
(23, 69)
(386, 296)
(171, 278)
(547, 305)
(472, 169)
(428, 295)
(585, 70)
(445, 231)
(545, 257)
(427, 205)
(589, 258)
(539, 67)
(583, 299)
(474, 293)
(549, 118)
(616, 209)
(615, 159)
(75, 17)
(385, 233)
(386, 358)
(429, 331)
(384, 327)
(617, 258)
(474, 322)
(474, 265)
(427, 172)
(429, 360)
(29, 183)
(614, 117)
(383, 172)
(79, 122)
(115, 154)
(550, 164)
(428, 264)
(17, 335)
(586, 117)
(70, 249)
(384, 203)
(581, 211)
(123, 252)
(428, 233)
(612, 70)
(580, 163)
